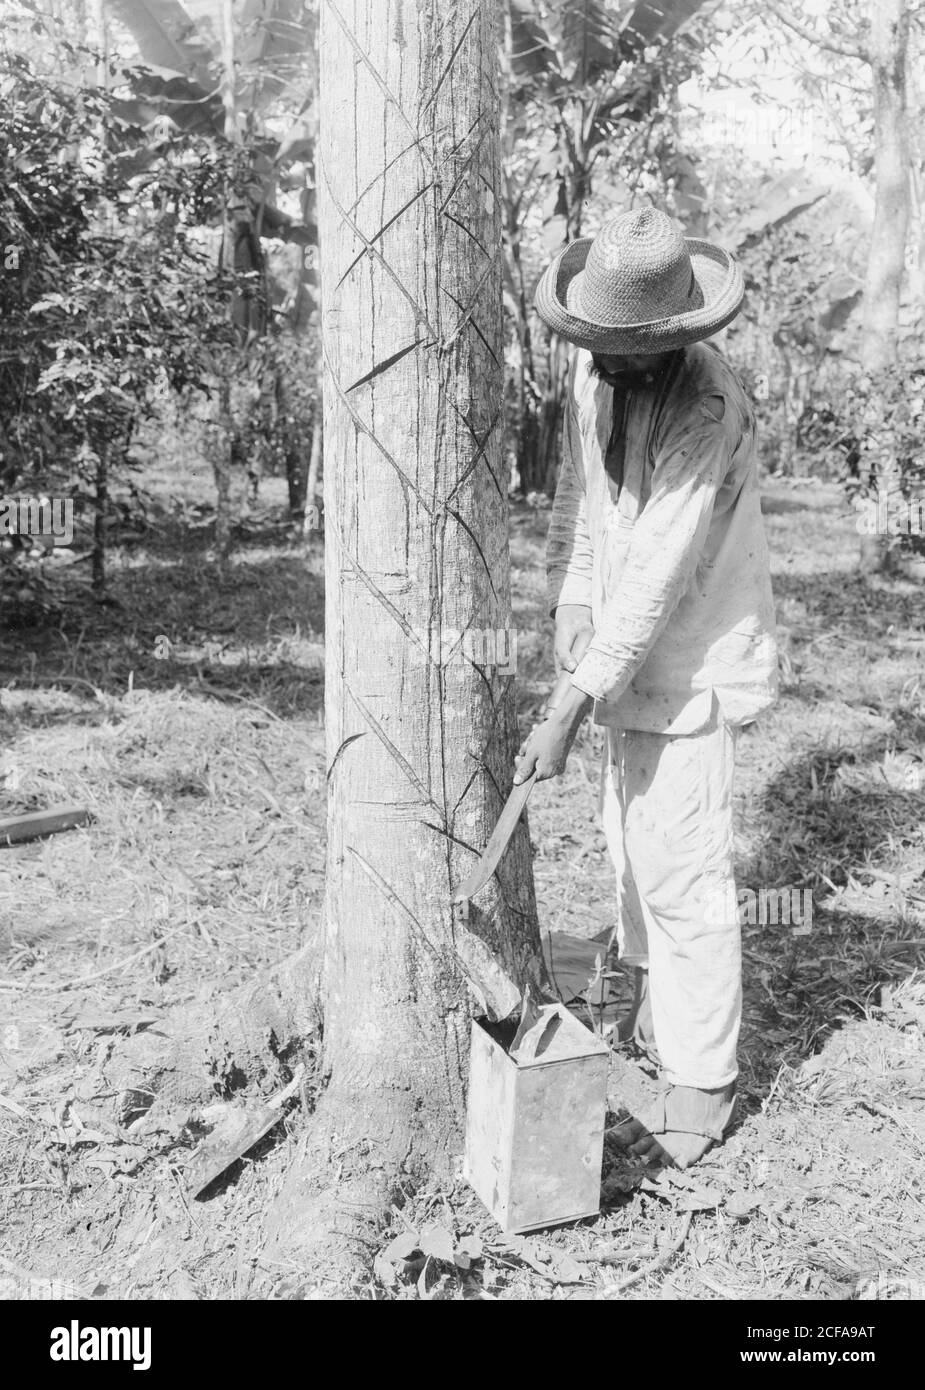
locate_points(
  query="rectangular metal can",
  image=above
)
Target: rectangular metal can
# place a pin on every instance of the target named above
(535, 1130)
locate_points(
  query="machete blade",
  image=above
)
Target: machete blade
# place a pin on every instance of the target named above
(497, 844)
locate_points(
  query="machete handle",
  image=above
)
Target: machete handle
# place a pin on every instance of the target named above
(479, 875)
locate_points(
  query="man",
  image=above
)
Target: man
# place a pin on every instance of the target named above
(656, 552)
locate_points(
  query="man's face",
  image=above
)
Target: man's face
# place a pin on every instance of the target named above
(632, 366)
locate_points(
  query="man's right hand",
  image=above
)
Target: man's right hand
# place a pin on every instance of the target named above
(571, 619)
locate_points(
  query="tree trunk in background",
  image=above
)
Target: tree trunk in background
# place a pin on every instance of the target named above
(243, 261)
(310, 506)
(552, 408)
(241, 254)
(573, 194)
(888, 40)
(219, 441)
(915, 255)
(419, 699)
(101, 505)
(298, 453)
(297, 465)
(524, 403)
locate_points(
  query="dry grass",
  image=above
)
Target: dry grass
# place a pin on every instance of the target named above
(817, 1195)
(204, 863)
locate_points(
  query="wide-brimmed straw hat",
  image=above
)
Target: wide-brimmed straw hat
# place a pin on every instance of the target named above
(639, 286)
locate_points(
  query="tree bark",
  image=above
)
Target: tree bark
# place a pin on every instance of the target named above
(888, 41)
(419, 677)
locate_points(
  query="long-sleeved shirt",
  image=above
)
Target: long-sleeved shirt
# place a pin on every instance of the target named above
(673, 562)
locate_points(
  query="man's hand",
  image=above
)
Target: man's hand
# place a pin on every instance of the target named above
(571, 619)
(546, 748)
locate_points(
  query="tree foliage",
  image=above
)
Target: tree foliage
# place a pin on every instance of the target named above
(107, 298)
(119, 290)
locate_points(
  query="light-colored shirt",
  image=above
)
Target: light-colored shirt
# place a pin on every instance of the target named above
(674, 564)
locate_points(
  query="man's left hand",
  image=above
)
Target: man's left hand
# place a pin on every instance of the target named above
(546, 748)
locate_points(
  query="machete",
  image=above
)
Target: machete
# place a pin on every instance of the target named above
(513, 807)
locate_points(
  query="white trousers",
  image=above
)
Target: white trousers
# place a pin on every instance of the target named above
(666, 807)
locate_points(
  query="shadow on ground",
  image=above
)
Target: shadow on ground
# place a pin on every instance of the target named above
(859, 848)
(175, 617)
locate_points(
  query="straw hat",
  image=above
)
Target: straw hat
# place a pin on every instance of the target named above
(639, 286)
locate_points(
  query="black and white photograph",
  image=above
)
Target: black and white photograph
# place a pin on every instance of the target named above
(462, 667)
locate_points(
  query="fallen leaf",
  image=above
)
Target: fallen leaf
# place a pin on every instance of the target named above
(88, 1136)
(700, 1199)
(402, 1247)
(553, 1264)
(437, 1243)
(470, 1247)
(384, 1271)
(567, 1269)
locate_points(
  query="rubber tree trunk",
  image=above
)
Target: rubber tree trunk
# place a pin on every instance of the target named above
(419, 663)
(888, 41)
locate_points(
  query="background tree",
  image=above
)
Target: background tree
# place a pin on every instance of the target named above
(138, 219)
(106, 303)
(878, 39)
(803, 248)
(243, 71)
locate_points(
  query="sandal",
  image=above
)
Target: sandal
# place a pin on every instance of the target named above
(684, 1123)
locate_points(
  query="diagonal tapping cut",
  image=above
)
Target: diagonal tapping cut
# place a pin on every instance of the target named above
(419, 313)
(391, 361)
(366, 62)
(419, 193)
